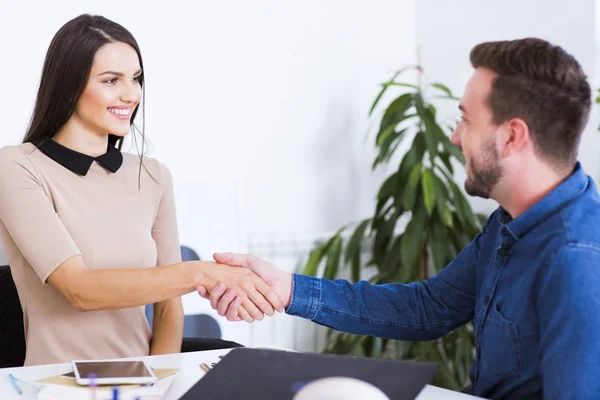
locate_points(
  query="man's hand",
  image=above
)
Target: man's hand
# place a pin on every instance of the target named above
(255, 296)
(227, 302)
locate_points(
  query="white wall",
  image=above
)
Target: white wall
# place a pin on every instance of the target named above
(271, 96)
(447, 30)
(258, 103)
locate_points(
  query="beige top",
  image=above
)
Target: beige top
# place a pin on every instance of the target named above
(49, 213)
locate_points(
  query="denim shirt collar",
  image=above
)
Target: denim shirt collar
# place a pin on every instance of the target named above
(570, 189)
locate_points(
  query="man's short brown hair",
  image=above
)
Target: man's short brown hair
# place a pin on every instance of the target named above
(543, 85)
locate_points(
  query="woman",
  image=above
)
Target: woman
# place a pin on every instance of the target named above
(90, 233)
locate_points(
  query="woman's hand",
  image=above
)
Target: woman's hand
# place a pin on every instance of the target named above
(222, 299)
(246, 289)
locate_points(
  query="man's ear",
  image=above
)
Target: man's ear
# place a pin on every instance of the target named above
(513, 137)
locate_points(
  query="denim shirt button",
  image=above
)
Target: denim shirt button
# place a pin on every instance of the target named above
(486, 300)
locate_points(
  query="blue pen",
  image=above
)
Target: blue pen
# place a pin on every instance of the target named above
(13, 381)
(115, 393)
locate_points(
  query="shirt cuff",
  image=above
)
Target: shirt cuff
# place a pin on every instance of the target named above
(306, 296)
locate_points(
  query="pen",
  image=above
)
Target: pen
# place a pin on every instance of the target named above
(93, 385)
(115, 393)
(14, 383)
(205, 367)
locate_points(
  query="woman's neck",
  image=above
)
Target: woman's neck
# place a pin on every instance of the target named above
(82, 140)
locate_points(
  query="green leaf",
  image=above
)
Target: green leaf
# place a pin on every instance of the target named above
(382, 236)
(432, 109)
(428, 190)
(314, 259)
(333, 258)
(463, 209)
(447, 217)
(408, 85)
(353, 249)
(384, 88)
(454, 150)
(353, 246)
(412, 240)
(445, 157)
(384, 134)
(317, 255)
(396, 112)
(393, 138)
(355, 267)
(391, 262)
(441, 196)
(443, 88)
(388, 188)
(431, 133)
(410, 193)
(412, 157)
(414, 176)
(439, 244)
(410, 198)
(381, 203)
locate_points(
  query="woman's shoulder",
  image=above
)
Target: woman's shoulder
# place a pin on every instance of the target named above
(16, 153)
(152, 166)
(16, 163)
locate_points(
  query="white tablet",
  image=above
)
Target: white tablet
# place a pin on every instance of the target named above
(109, 372)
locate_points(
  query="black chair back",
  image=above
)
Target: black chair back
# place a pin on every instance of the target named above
(12, 334)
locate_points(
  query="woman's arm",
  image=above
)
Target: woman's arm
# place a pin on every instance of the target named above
(167, 327)
(102, 289)
(168, 318)
(29, 216)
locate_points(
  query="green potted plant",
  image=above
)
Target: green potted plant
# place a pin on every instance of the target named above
(598, 101)
(421, 221)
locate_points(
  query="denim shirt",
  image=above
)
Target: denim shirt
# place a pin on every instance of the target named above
(531, 285)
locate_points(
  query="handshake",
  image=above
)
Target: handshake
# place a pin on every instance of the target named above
(246, 287)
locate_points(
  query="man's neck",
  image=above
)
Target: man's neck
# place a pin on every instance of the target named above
(522, 189)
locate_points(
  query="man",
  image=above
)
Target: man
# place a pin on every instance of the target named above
(530, 280)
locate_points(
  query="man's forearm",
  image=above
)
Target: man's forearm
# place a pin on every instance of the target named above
(397, 311)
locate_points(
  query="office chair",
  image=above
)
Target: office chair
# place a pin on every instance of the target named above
(12, 334)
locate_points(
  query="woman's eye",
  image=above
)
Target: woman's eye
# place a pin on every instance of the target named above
(112, 81)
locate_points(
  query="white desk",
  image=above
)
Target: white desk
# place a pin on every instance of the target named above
(188, 363)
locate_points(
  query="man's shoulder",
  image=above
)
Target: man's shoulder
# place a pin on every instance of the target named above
(581, 221)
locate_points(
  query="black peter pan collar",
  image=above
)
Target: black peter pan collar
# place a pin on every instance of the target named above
(80, 163)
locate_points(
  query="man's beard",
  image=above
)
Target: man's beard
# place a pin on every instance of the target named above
(484, 174)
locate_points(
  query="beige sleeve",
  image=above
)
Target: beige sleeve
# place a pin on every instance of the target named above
(164, 230)
(29, 216)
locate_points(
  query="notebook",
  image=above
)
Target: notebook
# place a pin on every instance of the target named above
(253, 374)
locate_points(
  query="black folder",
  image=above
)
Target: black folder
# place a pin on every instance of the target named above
(258, 374)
